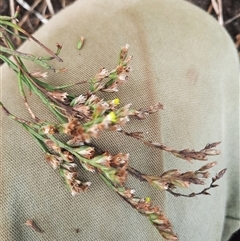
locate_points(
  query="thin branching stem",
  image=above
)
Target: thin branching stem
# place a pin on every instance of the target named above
(15, 26)
(204, 191)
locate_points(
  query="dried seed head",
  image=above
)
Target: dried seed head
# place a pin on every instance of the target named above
(69, 127)
(39, 74)
(58, 95)
(113, 103)
(50, 144)
(102, 74)
(120, 160)
(121, 176)
(207, 166)
(123, 53)
(83, 109)
(77, 187)
(211, 152)
(221, 173)
(49, 129)
(53, 160)
(78, 100)
(88, 167)
(86, 151)
(68, 156)
(72, 167)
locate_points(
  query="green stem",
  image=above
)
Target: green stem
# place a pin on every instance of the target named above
(17, 119)
(108, 183)
(48, 87)
(9, 62)
(20, 85)
(30, 57)
(12, 25)
(39, 140)
(34, 133)
(28, 126)
(7, 18)
(13, 34)
(31, 86)
(47, 102)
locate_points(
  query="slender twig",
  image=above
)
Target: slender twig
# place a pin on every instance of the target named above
(25, 97)
(18, 119)
(16, 34)
(185, 154)
(232, 19)
(204, 191)
(63, 3)
(237, 42)
(210, 8)
(21, 68)
(217, 6)
(3, 22)
(50, 7)
(41, 92)
(141, 177)
(30, 57)
(137, 174)
(28, 8)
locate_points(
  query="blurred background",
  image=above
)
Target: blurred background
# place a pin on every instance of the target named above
(34, 13)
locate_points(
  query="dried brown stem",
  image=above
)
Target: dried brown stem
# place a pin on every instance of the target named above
(185, 154)
(20, 120)
(26, 16)
(39, 43)
(137, 174)
(232, 19)
(143, 177)
(12, 10)
(204, 191)
(217, 6)
(50, 7)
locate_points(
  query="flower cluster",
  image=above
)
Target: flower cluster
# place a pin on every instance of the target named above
(144, 206)
(68, 170)
(73, 183)
(174, 178)
(84, 117)
(114, 168)
(116, 77)
(153, 213)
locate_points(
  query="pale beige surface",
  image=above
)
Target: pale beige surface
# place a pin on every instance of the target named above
(184, 59)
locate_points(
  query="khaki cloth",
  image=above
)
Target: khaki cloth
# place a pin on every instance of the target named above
(182, 58)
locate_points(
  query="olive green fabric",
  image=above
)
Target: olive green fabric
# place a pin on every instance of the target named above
(182, 58)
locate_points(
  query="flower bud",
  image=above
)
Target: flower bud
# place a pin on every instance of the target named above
(86, 151)
(53, 160)
(59, 95)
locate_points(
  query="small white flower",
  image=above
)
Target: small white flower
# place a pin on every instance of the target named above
(38, 74)
(87, 183)
(122, 77)
(80, 99)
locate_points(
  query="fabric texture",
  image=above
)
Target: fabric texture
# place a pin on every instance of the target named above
(182, 58)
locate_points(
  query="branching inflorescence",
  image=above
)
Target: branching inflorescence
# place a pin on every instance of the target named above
(84, 117)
